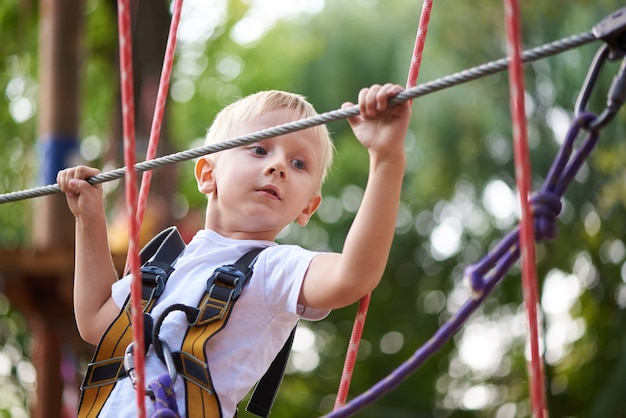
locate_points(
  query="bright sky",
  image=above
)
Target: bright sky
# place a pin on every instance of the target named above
(200, 17)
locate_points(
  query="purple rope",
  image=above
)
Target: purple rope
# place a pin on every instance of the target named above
(484, 275)
(163, 397)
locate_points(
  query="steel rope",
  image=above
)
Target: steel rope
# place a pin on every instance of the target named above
(455, 79)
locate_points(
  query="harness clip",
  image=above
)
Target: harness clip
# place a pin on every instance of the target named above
(129, 365)
(612, 30)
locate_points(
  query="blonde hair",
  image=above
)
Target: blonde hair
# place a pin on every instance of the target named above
(255, 105)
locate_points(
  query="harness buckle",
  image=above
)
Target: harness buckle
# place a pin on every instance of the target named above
(154, 275)
(228, 276)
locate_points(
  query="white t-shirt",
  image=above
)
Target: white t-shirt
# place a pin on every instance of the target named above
(260, 322)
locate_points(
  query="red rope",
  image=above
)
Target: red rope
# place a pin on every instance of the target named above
(523, 176)
(359, 322)
(157, 119)
(128, 119)
(353, 349)
(420, 39)
(136, 204)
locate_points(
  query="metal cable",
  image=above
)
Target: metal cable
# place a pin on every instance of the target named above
(455, 79)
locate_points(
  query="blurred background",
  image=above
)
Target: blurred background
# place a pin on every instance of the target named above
(59, 77)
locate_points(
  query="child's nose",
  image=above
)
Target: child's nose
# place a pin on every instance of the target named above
(276, 168)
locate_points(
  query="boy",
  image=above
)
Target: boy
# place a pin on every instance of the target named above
(253, 192)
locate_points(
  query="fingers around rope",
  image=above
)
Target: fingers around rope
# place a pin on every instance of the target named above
(375, 99)
(69, 179)
(385, 93)
(372, 100)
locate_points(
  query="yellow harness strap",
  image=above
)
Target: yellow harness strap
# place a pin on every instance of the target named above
(107, 365)
(223, 288)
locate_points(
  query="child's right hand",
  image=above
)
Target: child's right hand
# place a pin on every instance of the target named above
(381, 128)
(82, 198)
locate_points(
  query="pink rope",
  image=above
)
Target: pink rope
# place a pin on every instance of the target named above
(353, 349)
(157, 119)
(128, 119)
(523, 176)
(420, 39)
(359, 322)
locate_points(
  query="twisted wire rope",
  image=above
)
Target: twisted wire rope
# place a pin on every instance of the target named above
(442, 83)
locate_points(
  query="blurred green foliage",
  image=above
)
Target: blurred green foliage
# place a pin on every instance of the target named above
(459, 147)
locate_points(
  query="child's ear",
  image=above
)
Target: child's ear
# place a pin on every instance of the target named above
(309, 209)
(204, 175)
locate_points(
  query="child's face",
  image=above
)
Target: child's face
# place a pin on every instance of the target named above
(258, 189)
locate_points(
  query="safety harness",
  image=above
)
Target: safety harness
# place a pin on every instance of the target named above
(112, 359)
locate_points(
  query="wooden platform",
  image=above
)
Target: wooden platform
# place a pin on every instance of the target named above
(39, 285)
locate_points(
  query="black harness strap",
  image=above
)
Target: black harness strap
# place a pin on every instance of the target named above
(265, 392)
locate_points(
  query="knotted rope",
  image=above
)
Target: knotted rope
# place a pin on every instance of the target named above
(163, 397)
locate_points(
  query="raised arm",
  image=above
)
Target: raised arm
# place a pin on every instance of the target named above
(335, 280)
(94, 272)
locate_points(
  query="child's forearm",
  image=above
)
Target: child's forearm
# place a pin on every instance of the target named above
(368, 243)
(93, 276)
(334, 280)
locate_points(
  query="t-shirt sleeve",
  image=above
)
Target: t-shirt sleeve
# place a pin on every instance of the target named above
(120, 290)
(284, 269)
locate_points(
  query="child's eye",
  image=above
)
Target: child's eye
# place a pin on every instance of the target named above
(299, 164)
(258, 150)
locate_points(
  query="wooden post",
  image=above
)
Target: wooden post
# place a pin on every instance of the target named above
(53, 225)
(57, 115)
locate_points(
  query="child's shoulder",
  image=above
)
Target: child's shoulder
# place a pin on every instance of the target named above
(286, 257)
